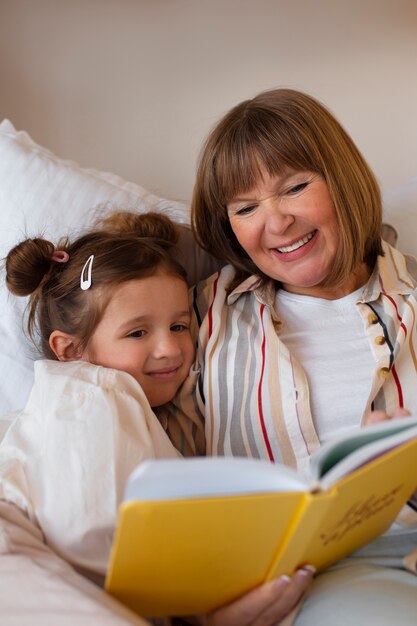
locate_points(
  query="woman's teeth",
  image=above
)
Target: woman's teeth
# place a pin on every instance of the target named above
(297, 244)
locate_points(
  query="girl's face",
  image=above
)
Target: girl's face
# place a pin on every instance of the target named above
(287, 225)
(145, 332)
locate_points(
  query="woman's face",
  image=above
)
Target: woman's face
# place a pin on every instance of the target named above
(287, 225)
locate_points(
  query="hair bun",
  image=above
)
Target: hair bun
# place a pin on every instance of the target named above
(27, 264)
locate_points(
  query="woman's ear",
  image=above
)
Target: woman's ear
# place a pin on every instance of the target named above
(65, 347)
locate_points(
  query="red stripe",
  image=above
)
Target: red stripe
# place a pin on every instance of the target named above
(210, 311)
(400, 319)
(260, 409)
(393, 370)
(399, 389)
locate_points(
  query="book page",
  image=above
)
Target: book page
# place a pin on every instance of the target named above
(366, 503)
(209, 476)
(341, 457)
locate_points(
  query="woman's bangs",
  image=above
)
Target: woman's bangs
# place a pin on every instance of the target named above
(242, 160)
(237, 173)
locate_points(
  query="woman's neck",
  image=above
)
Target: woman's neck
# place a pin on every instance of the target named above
(357, 279)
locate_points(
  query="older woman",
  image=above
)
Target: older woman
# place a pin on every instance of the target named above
(311, 328)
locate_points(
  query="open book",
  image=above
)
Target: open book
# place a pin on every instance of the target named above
(194, 534)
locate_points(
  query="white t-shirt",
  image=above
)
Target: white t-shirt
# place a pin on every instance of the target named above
(328, 339)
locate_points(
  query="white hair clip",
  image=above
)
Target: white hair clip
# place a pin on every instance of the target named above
(85, 283)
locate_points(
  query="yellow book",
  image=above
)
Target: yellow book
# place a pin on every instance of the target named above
(194, 534)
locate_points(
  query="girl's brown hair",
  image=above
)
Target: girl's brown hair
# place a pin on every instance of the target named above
(278, 129)
(126, 246)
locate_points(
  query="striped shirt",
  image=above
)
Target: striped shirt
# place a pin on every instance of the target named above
(254, 394)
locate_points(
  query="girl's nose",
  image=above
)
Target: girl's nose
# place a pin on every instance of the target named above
(166, 346)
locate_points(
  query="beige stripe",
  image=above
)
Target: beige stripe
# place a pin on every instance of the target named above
(211, 402)
(410, 332)
(304, 412)
(401, 280)
(274, 382)
(245, 394)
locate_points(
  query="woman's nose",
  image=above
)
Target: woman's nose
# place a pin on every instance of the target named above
(277, 220)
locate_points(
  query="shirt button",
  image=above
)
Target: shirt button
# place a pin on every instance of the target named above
(380, 340)
(384, 371)
(372, 318)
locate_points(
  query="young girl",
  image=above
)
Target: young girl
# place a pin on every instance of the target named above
(111, 314)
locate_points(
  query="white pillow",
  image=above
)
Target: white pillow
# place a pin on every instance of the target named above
(42, 194)
(400, 210)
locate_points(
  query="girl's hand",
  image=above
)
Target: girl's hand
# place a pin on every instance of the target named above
(379, 416)
(266, 605)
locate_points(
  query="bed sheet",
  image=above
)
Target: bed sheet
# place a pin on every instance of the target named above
(40, 589)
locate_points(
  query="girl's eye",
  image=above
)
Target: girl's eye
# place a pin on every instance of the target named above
(179, 328)
(297, 188)
(137, 333)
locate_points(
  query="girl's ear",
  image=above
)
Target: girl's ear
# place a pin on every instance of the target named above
(65, 347)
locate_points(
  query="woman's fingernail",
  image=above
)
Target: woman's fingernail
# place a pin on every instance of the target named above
(306, 570)
(282, 581)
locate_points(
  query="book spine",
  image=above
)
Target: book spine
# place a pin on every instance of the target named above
(303, 528)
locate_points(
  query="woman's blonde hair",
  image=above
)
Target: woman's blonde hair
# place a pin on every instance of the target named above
(278, 129)
(126, 246)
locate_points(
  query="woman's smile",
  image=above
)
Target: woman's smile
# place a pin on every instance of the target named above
(287, 251)
(288, 226)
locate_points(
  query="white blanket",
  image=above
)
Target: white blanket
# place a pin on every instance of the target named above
(40, 589)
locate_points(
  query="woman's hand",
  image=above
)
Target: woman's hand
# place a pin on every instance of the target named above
(379, 416)
(266, 605)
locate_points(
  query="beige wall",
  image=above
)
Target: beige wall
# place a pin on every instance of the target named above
(132, 86)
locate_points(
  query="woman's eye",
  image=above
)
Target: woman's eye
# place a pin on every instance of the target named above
(137, 333)
(246, 210)
(297, 188)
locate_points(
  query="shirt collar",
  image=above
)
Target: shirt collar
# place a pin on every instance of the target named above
(264, 290)
(250, 284)
(390, 275)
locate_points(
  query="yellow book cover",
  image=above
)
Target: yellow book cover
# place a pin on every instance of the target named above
(194, 534)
